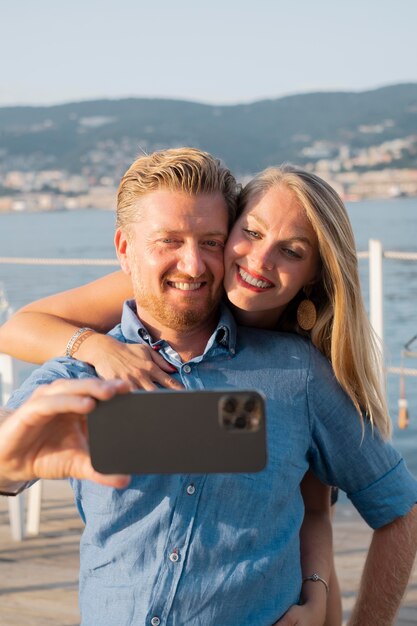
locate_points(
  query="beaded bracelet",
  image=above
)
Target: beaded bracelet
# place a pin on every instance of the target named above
(74, 342)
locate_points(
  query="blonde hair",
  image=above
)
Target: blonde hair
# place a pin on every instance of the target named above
(187, 170)
(342, 331)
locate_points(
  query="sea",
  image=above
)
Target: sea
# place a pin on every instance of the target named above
(88, 234)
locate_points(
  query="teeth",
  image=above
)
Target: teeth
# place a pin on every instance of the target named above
(186, 286)
(255, 282)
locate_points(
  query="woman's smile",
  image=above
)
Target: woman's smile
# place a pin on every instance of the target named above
(271, 254)
(252, 281)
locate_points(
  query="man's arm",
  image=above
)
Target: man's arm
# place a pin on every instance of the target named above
(46, 436)
(386, 573)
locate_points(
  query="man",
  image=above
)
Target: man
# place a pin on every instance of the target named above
(223, 549)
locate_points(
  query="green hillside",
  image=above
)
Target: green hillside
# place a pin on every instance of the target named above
(248, 137)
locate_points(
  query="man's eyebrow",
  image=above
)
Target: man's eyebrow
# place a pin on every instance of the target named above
(216, 233)
(169, 231)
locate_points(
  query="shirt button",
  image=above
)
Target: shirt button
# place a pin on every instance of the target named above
(190, 490)
(155, 621)
(187, 369)
(174, 558)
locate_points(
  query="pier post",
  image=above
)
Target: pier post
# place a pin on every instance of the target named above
(17, 503)
(376, 292)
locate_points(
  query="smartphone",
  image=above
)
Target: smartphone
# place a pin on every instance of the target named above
(179, 432)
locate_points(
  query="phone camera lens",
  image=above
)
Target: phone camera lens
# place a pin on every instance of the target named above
(241, 421)
(250, 405)
(230, 405)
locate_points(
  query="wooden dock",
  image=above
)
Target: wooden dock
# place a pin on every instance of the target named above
(39, 576)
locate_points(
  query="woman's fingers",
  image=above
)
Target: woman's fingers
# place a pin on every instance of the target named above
(160, 361)
(140, 366)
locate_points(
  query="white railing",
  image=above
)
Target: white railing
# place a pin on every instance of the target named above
(375, 255)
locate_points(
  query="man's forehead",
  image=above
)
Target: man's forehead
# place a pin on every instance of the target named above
(166, 209)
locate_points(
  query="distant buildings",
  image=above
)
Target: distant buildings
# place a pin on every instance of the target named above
(378, 171)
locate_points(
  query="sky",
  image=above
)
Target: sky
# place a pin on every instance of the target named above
(216, 51)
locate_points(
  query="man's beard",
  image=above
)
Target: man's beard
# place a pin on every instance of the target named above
(175, 318)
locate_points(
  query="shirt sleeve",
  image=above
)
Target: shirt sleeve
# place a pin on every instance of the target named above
(351, 455)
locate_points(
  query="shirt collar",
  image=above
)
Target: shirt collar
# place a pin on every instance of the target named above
(225, 333)
(134, 331)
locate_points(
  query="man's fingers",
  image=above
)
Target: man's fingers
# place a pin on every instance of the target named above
(94, 387)
(117, 481)
(75, 464)
(83, 469)
(44, 409)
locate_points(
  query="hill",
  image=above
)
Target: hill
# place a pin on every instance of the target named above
(102, 137)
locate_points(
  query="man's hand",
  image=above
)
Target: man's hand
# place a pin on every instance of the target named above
(47, 436)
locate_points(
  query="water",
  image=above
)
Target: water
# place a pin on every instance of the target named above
(89, 234)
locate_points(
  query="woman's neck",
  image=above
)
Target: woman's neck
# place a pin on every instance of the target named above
(258, 319)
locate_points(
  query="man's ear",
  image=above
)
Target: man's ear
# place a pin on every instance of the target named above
(121, 243)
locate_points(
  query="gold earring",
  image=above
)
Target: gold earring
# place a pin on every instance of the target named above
(306, 314)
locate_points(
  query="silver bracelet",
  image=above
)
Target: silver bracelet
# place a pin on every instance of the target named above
(69, 350)
(316, 578)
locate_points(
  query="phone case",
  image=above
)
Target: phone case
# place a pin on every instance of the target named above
(176, 432)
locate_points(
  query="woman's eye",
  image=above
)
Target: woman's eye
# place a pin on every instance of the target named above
(291, 253)
(252, 233)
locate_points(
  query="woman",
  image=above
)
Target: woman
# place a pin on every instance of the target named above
(290, 264)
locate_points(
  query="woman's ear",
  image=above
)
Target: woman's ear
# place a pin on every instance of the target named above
(121, 243)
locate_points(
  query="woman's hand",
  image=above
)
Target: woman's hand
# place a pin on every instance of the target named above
(137, 364)
(303, 615)
(46, 437)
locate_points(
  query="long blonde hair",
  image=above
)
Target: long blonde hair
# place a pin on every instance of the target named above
(342, 332)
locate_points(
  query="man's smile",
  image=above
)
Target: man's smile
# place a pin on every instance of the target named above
(186, 286)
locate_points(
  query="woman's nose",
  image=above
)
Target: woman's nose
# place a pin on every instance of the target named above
(262, 258)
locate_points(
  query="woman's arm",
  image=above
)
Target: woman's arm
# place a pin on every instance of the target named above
(316, 555)
(41, 330)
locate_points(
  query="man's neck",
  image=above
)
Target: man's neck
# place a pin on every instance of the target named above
(187, 343)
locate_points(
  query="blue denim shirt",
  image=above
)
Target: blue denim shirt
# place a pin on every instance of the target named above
(223, 550)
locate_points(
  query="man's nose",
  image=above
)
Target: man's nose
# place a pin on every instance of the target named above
(191, 261)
